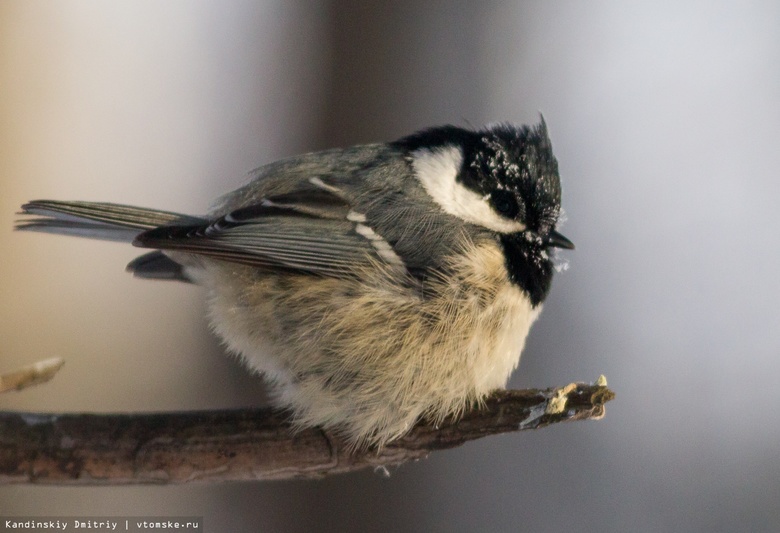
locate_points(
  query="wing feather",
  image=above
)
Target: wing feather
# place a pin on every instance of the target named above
(308, 231)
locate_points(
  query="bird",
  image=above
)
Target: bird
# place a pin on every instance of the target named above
(373, 286)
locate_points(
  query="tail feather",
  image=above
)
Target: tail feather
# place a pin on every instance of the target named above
(104, 232)
(96, 220)
(157, 265)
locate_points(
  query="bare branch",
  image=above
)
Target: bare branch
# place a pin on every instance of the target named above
(248, 444)
(30, 375)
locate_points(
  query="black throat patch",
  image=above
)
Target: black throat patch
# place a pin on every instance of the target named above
(528, 265)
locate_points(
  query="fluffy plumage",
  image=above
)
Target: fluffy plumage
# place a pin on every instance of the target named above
(373, 286)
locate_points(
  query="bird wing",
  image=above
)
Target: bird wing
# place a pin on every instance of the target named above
(312, 230)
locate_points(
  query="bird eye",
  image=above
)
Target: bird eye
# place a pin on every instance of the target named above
(505, 203)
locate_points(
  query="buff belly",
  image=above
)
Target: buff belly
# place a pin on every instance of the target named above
(366, 359)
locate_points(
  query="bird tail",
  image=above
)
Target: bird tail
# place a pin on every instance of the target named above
(94, 220)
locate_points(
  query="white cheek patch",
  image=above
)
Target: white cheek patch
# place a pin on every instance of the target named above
(437, 171)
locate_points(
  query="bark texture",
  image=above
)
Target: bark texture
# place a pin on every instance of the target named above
(249, 444)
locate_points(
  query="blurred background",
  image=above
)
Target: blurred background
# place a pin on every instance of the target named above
(665, 118)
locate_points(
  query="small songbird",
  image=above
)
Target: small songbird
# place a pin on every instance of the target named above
(373, 286)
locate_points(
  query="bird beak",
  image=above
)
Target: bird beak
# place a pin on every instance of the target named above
(557, 240)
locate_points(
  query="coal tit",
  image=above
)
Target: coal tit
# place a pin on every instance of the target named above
(373, 286)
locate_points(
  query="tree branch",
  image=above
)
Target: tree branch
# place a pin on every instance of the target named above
(113, 449)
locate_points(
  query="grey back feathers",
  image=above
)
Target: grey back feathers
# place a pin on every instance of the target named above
(408, 205)
(326, 213)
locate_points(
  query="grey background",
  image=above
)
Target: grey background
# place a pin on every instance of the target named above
(665, 118)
